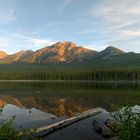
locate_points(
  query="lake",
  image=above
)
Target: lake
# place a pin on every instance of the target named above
(37, 103)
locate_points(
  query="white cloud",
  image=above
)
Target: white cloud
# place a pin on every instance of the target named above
(32, 40)
(120, 11)
(7, 44)
(95, 47)
(4, 43)
(46, 26)
(116, 11)
(84, 32)
(64, 4)
(98, 45)
(40, 42)
(7, 17)
(7, 11)
(13, 42)
(128, 33)
(120, 19)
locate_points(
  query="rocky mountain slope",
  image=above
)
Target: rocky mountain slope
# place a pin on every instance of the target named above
(58, 52)
(109, 52)
(15, 57)
(62, 52)
(2, 54)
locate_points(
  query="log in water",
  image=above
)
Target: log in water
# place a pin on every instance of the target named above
(46, 130)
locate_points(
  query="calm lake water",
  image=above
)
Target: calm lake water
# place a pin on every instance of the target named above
(38, 103)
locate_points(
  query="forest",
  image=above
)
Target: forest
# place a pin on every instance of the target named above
(63, 72)
(93, 75)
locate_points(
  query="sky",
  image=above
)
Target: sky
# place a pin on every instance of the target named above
(94, 24)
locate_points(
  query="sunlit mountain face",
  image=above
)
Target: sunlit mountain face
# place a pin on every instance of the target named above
(59, 52)
(70, 55)
(3, 54)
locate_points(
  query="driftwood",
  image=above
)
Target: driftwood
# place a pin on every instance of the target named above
(46, 130)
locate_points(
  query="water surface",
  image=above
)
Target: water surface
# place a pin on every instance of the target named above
(38, 101)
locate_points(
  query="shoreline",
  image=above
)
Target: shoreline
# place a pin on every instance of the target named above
(68, 81)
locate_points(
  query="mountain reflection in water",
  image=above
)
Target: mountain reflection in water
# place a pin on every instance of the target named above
(59, 107)
(68, 99)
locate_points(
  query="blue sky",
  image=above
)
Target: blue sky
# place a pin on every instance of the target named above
(95, 24)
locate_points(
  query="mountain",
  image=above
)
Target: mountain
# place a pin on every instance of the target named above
(110, 52)
(68, 52)
(60, 52)
(2, 54)
(56, 53)
(16, 57)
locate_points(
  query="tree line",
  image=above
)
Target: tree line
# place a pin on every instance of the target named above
(99, 75)
(93, 75)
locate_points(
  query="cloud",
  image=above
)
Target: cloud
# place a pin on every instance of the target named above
(85, 32)
(4, 42)
(7, 17)
(34, 42)
(129, 33)
(116, 11)
(47, 26)
(64, 4)
(40, 42)
(13, 42)
(95, 47)
(7, 12)
(119, 19)
(114, 20)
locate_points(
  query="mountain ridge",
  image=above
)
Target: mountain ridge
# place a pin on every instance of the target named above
(60, 52)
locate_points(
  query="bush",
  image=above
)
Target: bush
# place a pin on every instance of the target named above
(8, 132)
(127, 124)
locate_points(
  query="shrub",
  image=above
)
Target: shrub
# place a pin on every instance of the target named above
(8, 132)
(127, 124)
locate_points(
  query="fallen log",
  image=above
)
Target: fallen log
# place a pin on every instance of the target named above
(46, 130)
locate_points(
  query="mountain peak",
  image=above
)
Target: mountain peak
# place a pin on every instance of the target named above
(59, 52)
(66, 44)
(2, 54)
(69, 43)
(112, 48)
(110, 51)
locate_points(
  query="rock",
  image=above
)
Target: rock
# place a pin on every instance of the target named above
(96, 126)
(107, 133)
(110, 124)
